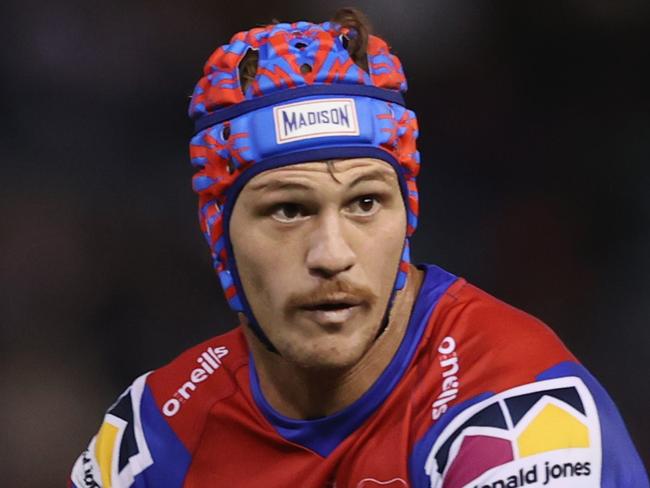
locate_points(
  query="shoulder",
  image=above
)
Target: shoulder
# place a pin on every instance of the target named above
(150, 432)
(512, 406)
(189, 385)
(475, 343)
(493, 339)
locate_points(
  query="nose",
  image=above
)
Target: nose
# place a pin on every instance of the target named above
(329, 252)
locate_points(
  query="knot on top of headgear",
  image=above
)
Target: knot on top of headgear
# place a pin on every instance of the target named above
(290, 56)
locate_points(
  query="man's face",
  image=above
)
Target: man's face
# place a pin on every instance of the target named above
(317, 251)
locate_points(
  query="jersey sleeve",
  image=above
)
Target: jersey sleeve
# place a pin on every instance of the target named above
(148, 436)
(134, 447)
(516, 409)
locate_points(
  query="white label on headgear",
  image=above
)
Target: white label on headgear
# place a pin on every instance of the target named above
(315, 118)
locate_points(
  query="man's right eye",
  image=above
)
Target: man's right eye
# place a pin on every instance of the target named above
(288, 212)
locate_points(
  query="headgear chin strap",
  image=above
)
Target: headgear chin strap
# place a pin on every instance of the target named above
(308, 102)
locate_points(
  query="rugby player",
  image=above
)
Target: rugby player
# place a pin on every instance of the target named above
(351, 367)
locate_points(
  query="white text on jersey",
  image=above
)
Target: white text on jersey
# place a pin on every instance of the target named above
(450, 382)
(210, 361)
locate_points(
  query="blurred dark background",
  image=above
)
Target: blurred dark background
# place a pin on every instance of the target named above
(535, 139)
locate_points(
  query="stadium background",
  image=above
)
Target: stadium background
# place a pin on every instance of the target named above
(535, 140)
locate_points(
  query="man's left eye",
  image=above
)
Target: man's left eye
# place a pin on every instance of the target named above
(365, 205)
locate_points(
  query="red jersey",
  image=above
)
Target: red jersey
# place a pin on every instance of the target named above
(478, 395)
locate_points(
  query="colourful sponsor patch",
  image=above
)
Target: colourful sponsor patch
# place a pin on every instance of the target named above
(119, 451)
(543, 434)
(105, 447)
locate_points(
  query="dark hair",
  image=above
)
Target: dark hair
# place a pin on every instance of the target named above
(356, 44)
(248, 68)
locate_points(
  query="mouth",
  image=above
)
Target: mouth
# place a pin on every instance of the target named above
(332, 310)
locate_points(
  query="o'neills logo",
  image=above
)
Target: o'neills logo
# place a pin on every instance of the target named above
(210, 361)
(315, 118)
(450, 383)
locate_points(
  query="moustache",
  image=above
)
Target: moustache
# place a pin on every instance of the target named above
(332, 291)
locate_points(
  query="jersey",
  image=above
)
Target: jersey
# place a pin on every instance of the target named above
(478, 395)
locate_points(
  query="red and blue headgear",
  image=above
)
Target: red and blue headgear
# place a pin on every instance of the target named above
(309, 101)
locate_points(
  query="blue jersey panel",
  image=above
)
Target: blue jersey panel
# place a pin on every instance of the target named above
(171, 460)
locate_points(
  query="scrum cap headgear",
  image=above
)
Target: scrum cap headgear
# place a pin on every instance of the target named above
(308, 101)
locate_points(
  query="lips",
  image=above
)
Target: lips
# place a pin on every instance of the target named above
(331, 310)
(334, 302)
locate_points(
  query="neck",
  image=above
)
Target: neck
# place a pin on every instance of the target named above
(304, 393)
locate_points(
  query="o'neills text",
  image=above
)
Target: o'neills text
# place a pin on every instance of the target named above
(450, 382)
(209, 361)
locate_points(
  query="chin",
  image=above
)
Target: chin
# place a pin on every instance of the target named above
(326, 357)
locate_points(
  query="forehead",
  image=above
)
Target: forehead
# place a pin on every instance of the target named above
(343, 171)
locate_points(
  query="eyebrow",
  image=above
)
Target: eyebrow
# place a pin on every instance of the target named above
(276, 185)
(381, 175)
